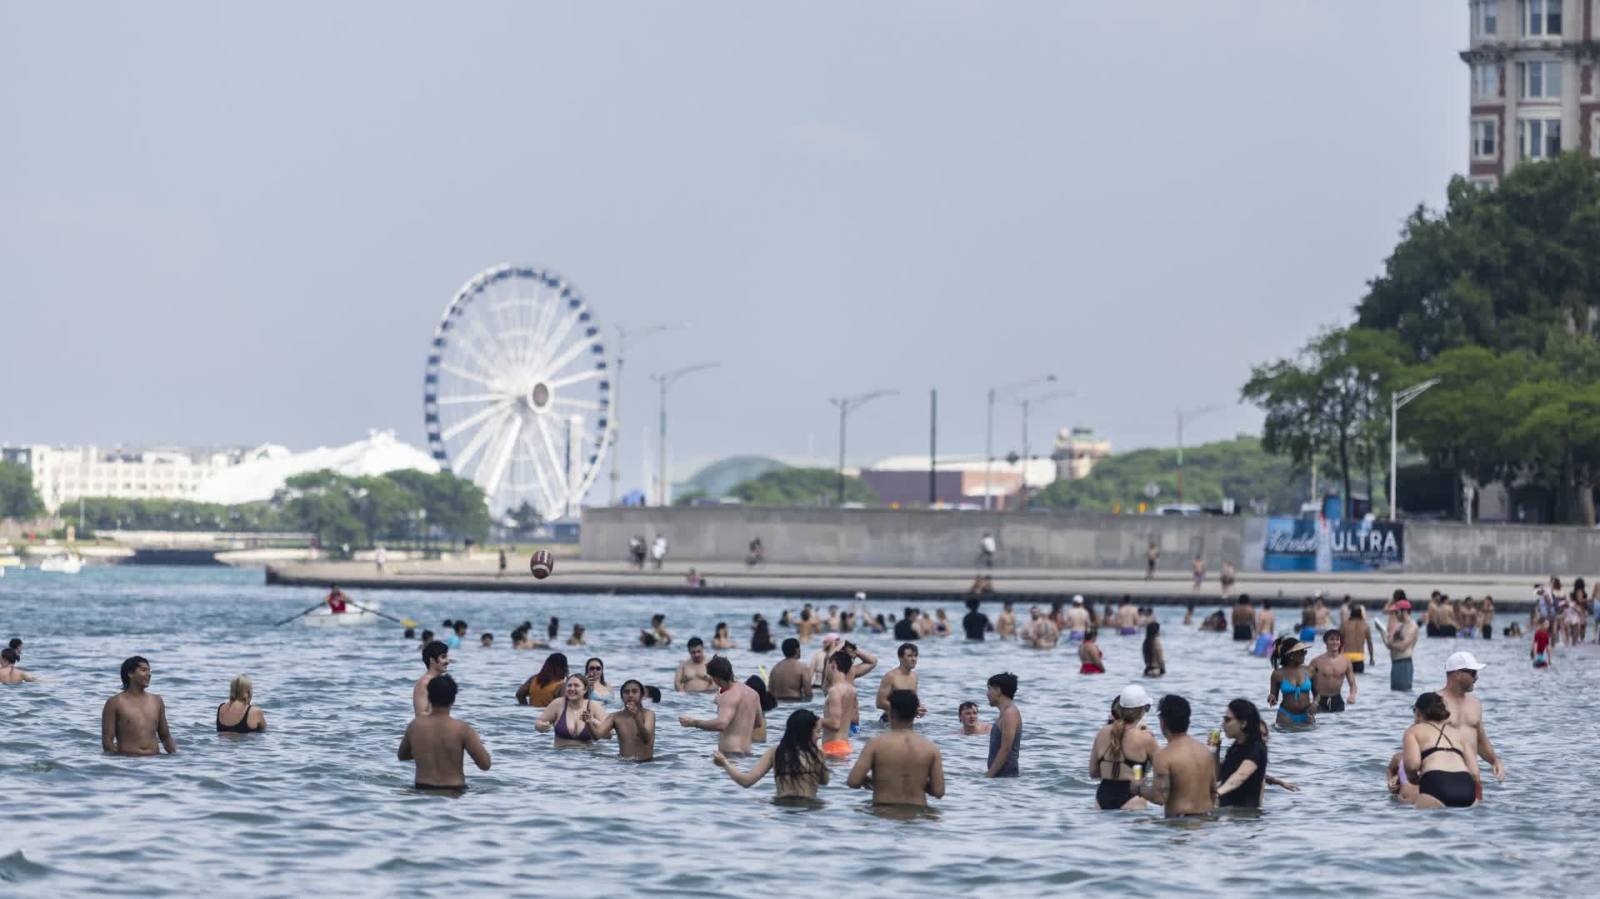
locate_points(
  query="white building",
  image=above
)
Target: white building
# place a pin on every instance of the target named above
(62, 474)
(263, 471)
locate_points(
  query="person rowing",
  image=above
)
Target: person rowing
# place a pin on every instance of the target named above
(335, 600)
(796, 762)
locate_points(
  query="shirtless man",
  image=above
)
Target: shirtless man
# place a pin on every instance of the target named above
(840, 709)
(1356, 636)
(901, 677)
(970, 725)
(1466, 712)
(738, 707)
(901, 766)
(1401, 640)
(1185, 781)
(1329, 673)
(819, 659)
(435, 658)
(1077, 619)
(861, 662)
(436, 741)
(1244, 620)
(807, 625)
(1005, 624)
(9, 672)
(1266, 622)
(790, 680)
(693, 676)
(1127, 617)
(135, 719)
(635, 725)
(1040, 632)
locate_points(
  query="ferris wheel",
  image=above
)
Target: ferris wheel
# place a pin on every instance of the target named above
(517, 395)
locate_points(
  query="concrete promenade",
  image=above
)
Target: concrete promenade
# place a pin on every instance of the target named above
(829, 583)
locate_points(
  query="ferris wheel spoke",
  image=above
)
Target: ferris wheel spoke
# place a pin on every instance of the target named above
(473, 419)
(588, 374)
(473, 398)
(559, 334)
(543, 319)
(551, 454)
(552, 502)
(482, 353)
(478, 441)
(507, 441)
(572, 351)
(473, 376)
(494, 349)
(568, 402)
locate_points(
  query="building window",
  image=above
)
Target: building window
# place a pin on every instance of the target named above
(1539, 138)
(1542, 18)
(1483, 138)
(1486, 17)
(1540, 80)
(1485, 80)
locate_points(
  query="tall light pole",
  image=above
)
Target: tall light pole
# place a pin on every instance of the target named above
(1025, 402)
(665, 381)
(1396, 400)
(988, 438)
(1190, 413)
(616, 397)
(848, 404)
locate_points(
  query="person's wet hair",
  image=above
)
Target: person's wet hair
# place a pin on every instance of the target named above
(1331, 634)
(695, 642)
(427, 637)
(461, 627)
(768, 701)
(969, 704)
(554, 669)
(905, 650)
(719, 668)
(630, 682)
(972, 604)
(1433, 707)
(129, 666)
(1252, 729)
(442, 692)
(1173, 710)
(902, 705)
(593, 662)
(432, 651)
(1006, 683)
(10, 655)
(791, 648)
(797, 753)
(841, 661)
(654, 693)
(554, 630)
(411, 633)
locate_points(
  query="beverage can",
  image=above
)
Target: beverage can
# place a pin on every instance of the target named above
(1138, 774)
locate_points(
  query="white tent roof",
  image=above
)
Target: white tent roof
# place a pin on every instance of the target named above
(265, 469)
(1039, 473)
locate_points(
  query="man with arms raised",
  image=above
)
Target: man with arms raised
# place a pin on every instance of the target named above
(901, 766)
(436, 741)
(692, 675)
(435, 658)
(790, 680)
(1329, 673)
(135, 719)
(901, 677)
(634, 724)
(738, 707)
(840, 709)
(1466, 712)
(1185, 781)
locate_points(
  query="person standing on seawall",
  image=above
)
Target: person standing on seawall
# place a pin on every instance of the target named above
(1151, 557)
(986, 550)
(1401, 639)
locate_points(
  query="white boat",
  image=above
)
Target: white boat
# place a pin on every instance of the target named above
(350, 617)
(63, 564)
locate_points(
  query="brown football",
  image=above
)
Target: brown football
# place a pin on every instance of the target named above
(542, 564)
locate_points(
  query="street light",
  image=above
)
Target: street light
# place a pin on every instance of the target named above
(988, 439)
(1192, 413)
(665, 381)
(1025, 402)
(1396, 400)
(848, 404)
(616, 396)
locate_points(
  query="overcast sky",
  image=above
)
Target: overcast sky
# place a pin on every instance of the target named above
(237, 223)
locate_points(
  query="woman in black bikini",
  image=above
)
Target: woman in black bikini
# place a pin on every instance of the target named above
(1444, 772)
(1120, 745)
(246, 718)
(572, 716)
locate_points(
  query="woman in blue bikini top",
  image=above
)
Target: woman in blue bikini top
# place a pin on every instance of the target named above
(1292, 680)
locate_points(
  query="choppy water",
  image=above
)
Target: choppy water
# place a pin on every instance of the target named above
(319, 803)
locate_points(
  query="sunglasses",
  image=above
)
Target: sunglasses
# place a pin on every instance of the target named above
(1227, 718)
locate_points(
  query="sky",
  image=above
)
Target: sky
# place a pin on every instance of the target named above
(239, 223)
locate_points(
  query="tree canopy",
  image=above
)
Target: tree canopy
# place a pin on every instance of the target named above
(17, 496)
(802, 487)
(1239, 469)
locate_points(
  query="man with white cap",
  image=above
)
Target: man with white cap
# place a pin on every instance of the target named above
(1401, 639)
(1466, 712)
(1077, 619)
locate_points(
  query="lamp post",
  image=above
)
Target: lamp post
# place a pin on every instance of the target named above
(1396, 400)
(616, 396)
(988, 438)
(665, 381)
(1025, 403)
(1191, 413)
(846, 405)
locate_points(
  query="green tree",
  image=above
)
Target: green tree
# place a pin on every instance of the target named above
(1463, 425)
(1238, 469)
(17, 497)
(525, 517)
(802, 487)
(455, 506)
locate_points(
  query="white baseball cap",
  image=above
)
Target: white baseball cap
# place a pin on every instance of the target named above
(1134, 697)
(860, 595)
(1462, 660)
(1077, 600)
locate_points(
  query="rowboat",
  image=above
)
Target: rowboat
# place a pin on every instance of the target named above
(63, 564)
(350, 617)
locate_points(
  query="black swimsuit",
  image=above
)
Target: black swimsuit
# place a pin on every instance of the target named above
(1114, 793)
(1456, 789)
(243, 727)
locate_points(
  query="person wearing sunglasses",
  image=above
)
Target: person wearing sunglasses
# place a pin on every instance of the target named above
(1242, 772)
(1466, 712)
(594, 671)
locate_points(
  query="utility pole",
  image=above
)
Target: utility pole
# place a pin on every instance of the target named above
(1025, 403)
(846, 405)
(933, 447)
(665, 381)
(1396, 400)
(1192, 413)
(616, 400)
(988, 438)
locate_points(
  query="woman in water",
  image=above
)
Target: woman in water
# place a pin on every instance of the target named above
(245, 718)
(1243, 771)
(720, 639)
(1094, 662)
(1292, 679)
(574, 717)
(577, 636)
(594, 671)
(941, 623)
(1118, 747)
(758, 734)
(761, 637)
(539, 690)
(1444, 771)
(1155, 659)
(796, 762)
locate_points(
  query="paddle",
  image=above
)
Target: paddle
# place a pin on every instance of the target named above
(302, 614)
(356, 605)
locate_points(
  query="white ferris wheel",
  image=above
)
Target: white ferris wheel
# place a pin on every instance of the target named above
(517, 395)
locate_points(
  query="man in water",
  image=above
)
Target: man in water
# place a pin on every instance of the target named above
(819, 659)
(135, 719)
(902, 767)
(975, 624)
(1077, 619)
(692, 675)
(1127, 617)
(738, 707)
(1005, 739)
(1185, 781)
(1466, 712)
(840, 709)
(901, 677)
(1244, 620)
(1040, 632)
(1329, 673)
(335, 600)
(1401, 639)
(790, 680)
(436, 659)
(906, 627)
(436, 741)
(1353, 628)
(487, 640)
(967, 713)
(1005, 624)
(9, 672)
(634, 725)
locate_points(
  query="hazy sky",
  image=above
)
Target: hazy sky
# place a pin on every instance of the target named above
(237, 223)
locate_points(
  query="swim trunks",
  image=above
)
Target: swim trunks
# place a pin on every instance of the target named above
(1127, 631)
(1263, 645)
(1243, 632)
(1091, 668)
(1075, 636)
(836, 749)
(1330, 703)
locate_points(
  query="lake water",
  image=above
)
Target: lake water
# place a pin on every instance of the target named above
(319, 802)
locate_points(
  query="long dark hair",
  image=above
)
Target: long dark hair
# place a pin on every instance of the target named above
(768, 701)
(1151, 632)
(761, 640)
(555, 669)
(602, 668)
(797, 754)
(1251, 728)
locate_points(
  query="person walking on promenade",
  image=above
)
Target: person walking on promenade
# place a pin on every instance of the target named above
(986, 550)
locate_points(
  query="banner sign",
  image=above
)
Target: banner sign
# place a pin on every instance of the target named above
(1318, 544)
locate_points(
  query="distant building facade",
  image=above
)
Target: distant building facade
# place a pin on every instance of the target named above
(63, 474)
(1076, 452)
(1534, 66)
